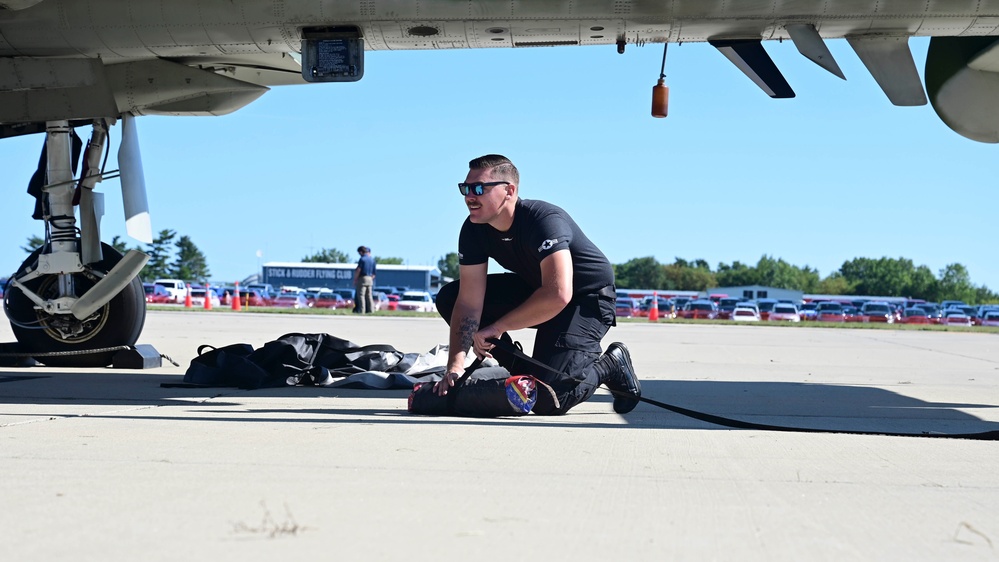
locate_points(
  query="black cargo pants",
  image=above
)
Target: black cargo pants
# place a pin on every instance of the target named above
(569, 343)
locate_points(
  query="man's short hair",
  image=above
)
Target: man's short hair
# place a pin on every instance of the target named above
(501, 166)
(361, 249)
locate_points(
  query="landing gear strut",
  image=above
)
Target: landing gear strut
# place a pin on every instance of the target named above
(75, 294)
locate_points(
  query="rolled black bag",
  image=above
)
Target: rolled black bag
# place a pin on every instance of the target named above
(228, 366)
(486, 392)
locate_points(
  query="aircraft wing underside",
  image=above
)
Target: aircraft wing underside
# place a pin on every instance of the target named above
(83, 59)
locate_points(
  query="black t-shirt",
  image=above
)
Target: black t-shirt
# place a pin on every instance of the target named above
(539, 229)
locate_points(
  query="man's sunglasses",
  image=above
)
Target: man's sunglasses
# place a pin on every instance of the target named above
(479, 187)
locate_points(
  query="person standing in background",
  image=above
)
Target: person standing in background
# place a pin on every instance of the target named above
(364, 279)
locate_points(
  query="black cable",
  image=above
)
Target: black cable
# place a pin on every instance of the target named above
(738, 424)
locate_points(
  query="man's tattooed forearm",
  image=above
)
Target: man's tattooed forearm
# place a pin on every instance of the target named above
(467, 329)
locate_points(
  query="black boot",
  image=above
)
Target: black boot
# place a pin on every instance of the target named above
(617, 373)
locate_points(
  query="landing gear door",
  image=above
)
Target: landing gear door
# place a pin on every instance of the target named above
(332, 54)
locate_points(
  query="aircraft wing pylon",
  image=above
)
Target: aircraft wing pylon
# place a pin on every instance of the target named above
(810, 44)
(752, 59)
(889, 61)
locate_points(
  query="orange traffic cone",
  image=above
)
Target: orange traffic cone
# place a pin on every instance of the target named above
(654, 310)
(208, 300)
(237, 305)
(187, 299)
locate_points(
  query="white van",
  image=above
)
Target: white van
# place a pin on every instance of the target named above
(176, 288)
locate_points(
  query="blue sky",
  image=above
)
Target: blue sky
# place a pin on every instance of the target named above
(730, 175)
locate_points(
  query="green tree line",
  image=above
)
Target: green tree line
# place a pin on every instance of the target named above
(333, 255)
(170, 257)
(889, 277)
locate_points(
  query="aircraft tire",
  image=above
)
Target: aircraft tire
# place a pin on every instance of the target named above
(117, 323)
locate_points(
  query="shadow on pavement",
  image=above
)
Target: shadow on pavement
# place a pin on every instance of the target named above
(805, 405)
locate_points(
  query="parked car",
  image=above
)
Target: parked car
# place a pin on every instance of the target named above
(933, 312)
(876, 311)
(329, 300)
(991, 318)
(783, 312)
(970, 311)
(248, 297)
(348, 296)
(829, 312)
(419, 301)
(982, 311)
(897, 309)
(176, 287)
(956, 317)
(666, 307)
(745, 314)
(156, 294)
(290, 300)
(393, 303)
(807, 310)
(915, 315)
(625, 307)
(388, 290)
(852, 313)
(265, 290)
(198, 297)
(765, 306)
(702, 309)
(726, 305)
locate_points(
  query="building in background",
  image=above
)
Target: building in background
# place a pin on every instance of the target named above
(341, 275)
(754, 292)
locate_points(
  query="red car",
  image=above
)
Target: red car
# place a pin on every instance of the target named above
(829, 312)
(253, 297)
(330, 300)
(156, 294)
(250, 297)
(348, 296)
(878, 312)
(765, 306)
(665, 308)
(625, 308)
(852, 314)
(915, 316)
(700, 310)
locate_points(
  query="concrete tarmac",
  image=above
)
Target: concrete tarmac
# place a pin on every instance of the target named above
(104, 464)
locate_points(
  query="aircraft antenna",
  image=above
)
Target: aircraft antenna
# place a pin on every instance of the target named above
(662, 69)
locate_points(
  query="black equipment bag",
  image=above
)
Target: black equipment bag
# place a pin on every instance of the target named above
(485, 392)
(292, 359)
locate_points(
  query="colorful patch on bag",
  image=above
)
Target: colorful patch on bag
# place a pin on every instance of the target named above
(416, 387)
(521, 392)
